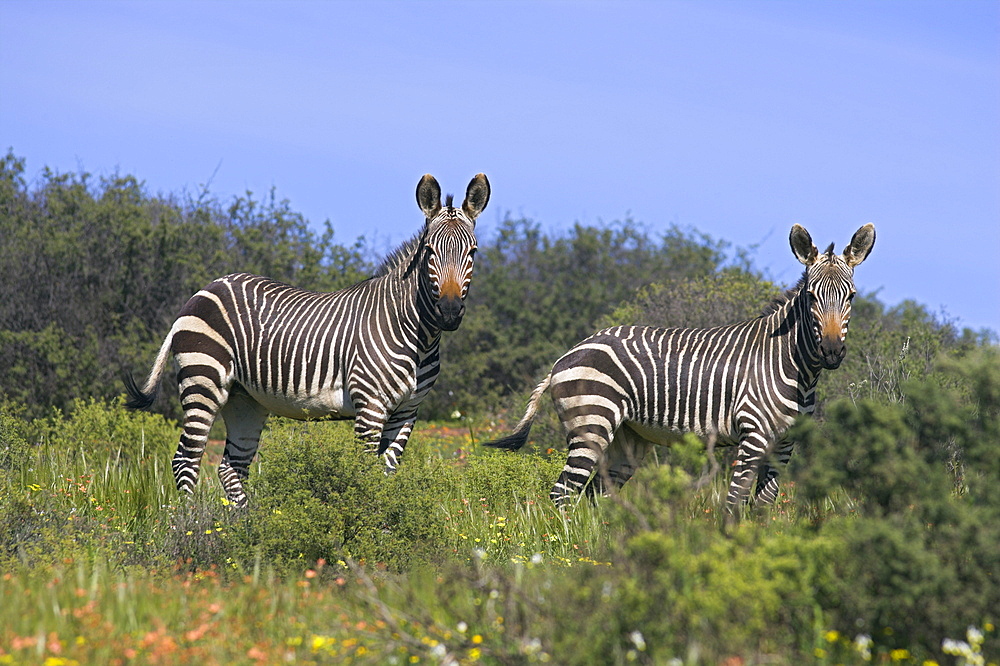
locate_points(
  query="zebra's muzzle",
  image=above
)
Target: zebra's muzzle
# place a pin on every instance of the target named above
(832, 352)
(450, 312)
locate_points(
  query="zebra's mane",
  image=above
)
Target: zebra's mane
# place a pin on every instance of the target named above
(784, 298)
(402, 255)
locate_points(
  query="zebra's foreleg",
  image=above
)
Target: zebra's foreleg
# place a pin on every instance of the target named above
(395, 435)
(369, 421)
(244, 419)
(752, 449)
(767, 478)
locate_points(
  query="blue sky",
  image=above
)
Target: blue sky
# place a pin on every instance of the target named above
(735, 118)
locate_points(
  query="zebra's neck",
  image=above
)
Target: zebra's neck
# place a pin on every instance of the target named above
(402, 275)
(793, 321)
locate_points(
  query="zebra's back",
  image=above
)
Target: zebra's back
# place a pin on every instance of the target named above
(291, 349)
(663, 380)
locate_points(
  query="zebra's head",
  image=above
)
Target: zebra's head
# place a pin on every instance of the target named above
(450, 245)
(829, 285)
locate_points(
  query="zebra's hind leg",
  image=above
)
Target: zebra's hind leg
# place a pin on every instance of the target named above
(586, 450)
(622, 459)
(627, 451)
(244, 419)
(767, 477)
(201, 399)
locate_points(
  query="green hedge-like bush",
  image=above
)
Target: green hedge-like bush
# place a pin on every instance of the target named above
(320, 495)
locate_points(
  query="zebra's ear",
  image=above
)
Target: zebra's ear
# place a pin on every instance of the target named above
(429, 196)
(802, 245)
(860, 246)
(477, 196)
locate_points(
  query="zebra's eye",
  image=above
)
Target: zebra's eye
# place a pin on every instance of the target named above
(850, 296)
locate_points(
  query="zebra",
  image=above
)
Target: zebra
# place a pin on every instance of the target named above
(249, 346)
(626, 388)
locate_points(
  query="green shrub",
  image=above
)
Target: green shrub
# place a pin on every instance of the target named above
(921, 561)
(14, 447)
(320, 495)
(106, 431)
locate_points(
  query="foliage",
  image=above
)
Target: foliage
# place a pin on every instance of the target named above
(321, 497)
(721, 298)
(922, 557)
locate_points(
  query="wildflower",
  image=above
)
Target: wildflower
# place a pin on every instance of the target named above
(477, 639)
(863, 646)
(638, 640)
(831, 636)
(899, 654)
(462, 627)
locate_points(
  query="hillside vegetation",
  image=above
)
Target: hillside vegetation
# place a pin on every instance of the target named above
(882, 547)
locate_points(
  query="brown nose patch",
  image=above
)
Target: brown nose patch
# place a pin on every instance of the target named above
(451, 289)
(831, 326)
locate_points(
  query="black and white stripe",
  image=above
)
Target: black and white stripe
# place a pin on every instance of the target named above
(248, 346)
(626, 388)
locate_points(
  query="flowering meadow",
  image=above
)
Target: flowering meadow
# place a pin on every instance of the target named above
(881, 549)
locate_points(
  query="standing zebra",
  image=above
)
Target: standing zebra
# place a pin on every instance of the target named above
(626, 388)
(248, 346)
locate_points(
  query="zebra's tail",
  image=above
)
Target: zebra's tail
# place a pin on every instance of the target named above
(142, 398)
(519, 437)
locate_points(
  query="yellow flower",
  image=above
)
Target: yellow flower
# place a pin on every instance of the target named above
(819, 653)
(474, 654)
(477, 639)
(899, 654)
(831, 636)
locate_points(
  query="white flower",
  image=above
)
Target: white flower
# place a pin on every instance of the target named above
(638, 640)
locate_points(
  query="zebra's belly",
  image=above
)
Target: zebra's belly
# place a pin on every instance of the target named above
(668, 436)
(333, 402)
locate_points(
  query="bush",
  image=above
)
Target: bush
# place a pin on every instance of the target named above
(921, 561)
(319, 495)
